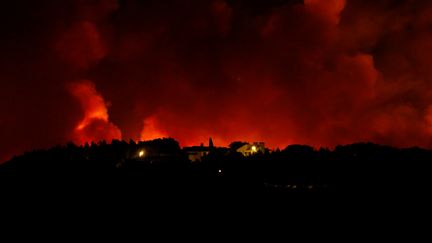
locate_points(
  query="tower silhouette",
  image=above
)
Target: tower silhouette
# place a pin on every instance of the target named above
(211, 143)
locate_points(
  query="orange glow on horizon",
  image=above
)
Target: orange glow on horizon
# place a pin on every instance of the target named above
(151, 130)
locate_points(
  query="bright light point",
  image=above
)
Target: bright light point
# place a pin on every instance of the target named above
(141, 154)
(254, 149)
(220, 171)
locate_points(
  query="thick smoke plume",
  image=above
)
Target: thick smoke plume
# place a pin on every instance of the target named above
(321, 72)
(95, 125)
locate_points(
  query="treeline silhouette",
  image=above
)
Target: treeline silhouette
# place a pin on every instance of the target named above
(117, 167)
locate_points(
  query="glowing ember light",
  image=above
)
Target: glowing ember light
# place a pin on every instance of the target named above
(254, 149)
(141, 153)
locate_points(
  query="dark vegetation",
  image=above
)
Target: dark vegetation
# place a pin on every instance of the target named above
(105, 181)
(164, 168)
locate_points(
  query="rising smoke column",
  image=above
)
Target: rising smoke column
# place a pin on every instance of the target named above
(95, 125)
(82, 46)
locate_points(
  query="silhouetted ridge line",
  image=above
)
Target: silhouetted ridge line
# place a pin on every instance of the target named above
(162, 165)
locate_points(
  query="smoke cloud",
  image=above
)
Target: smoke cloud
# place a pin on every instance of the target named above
(95, 125)
(320, 72)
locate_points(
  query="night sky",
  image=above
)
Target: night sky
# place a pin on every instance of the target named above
(322, 72)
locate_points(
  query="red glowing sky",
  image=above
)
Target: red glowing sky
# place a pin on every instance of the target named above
(325, 72)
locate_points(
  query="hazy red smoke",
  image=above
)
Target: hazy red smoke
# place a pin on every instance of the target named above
(325, 72)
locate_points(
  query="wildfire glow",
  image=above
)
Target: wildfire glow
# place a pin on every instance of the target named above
(322, 73)
(151, 130)
(95, 125)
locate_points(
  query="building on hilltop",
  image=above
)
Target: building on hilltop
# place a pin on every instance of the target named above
(251, 149)
(196, 153)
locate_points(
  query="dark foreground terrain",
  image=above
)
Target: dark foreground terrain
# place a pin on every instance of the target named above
(114, 176)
